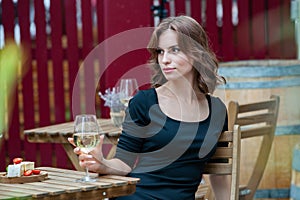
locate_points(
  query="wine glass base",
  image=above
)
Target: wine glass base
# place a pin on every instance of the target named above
(86, 179)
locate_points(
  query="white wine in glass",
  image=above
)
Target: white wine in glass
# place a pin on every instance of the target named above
(128, 88)
(86, 136)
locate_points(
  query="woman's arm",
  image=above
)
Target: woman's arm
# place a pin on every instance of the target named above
(220, 186)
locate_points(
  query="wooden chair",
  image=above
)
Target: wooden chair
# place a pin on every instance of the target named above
(256, 119)
(218, 167)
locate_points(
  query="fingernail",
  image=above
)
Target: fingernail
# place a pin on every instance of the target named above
(89, 156)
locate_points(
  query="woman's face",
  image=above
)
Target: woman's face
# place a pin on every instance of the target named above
(173, 62)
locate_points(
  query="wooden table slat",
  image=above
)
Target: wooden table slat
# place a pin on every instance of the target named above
(3, 196)
(14, 193)
(113, 181)
(106, 127)
(85, 186)
(130, 180)
(51, 188)
(21, 189)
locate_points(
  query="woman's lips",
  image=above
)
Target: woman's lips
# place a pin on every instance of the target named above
(169, 69)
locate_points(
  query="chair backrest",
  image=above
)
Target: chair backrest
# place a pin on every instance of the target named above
(255, 119)
(226, 161)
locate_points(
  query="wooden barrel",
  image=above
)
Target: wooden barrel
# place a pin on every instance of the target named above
(255, 80)
(295, 183)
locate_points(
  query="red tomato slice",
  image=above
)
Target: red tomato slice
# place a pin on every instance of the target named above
(36, 171)
(28, 172)
(17, 160)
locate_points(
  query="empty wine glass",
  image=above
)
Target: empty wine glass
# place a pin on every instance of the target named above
(128, 88)
(86, 136)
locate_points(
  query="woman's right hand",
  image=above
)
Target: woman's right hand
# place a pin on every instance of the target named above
(94, 160)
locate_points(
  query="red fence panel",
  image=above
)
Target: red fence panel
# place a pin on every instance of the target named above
(27, 80)
(274, 31)
(196, 10)
(42, 78)
(56, 10)
(288, 29)
(243, 32)
(72, 50)
(211, 26)
(228, 36)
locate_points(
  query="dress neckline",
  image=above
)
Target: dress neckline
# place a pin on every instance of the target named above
(176, 120)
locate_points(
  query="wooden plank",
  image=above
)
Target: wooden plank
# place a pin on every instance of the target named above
(211, 26)
(57, 188)
(243, 31)
(73, 175)
(130, 180)
(218, 168)
(255, 119)
(6, 197)
(228, 40)
(196, 10)
(61, 159)
(57, 60)
(51, 189)
(226, 137)
(42, 77)
(82, 186)
(27, 80)
(274, 37)
(257, 106)
(72, 51)
(106, 127)
(222, 152)
(288, 29)
(15, 194)
(20, 188)
(259, 43)
(180, 7)
(89, 87)
(256, 131)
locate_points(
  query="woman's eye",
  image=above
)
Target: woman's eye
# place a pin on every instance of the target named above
(175, 50)
(159, 51)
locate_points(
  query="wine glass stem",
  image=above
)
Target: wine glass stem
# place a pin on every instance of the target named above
(87, 175)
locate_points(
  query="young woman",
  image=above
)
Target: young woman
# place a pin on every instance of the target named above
(170, 131)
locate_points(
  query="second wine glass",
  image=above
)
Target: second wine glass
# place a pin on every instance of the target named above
(86, 137)
(128, 88)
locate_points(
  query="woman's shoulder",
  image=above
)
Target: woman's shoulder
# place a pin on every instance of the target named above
(216, 103)
(145, 95)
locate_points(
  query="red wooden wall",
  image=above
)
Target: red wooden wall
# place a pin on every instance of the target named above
(44, 90)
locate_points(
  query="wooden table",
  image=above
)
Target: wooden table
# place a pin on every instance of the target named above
(59, 133)
(61, 184)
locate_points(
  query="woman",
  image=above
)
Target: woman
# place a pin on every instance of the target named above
(170, 131)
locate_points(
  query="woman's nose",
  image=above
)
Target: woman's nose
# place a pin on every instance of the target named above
(165, 58)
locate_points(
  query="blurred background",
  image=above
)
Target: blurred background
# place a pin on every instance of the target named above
(44, 43)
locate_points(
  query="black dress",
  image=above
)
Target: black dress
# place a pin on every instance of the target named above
(166, 154)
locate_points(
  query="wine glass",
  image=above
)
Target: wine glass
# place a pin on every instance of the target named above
(86, 136)
(128, 88)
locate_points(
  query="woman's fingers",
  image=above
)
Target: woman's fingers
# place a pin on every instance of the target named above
(97, 152)
(71, 140)
(77, 149)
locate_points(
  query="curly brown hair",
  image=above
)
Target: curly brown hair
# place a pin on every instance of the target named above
(193, 41)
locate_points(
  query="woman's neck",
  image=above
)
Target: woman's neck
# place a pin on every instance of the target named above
(183, 90)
